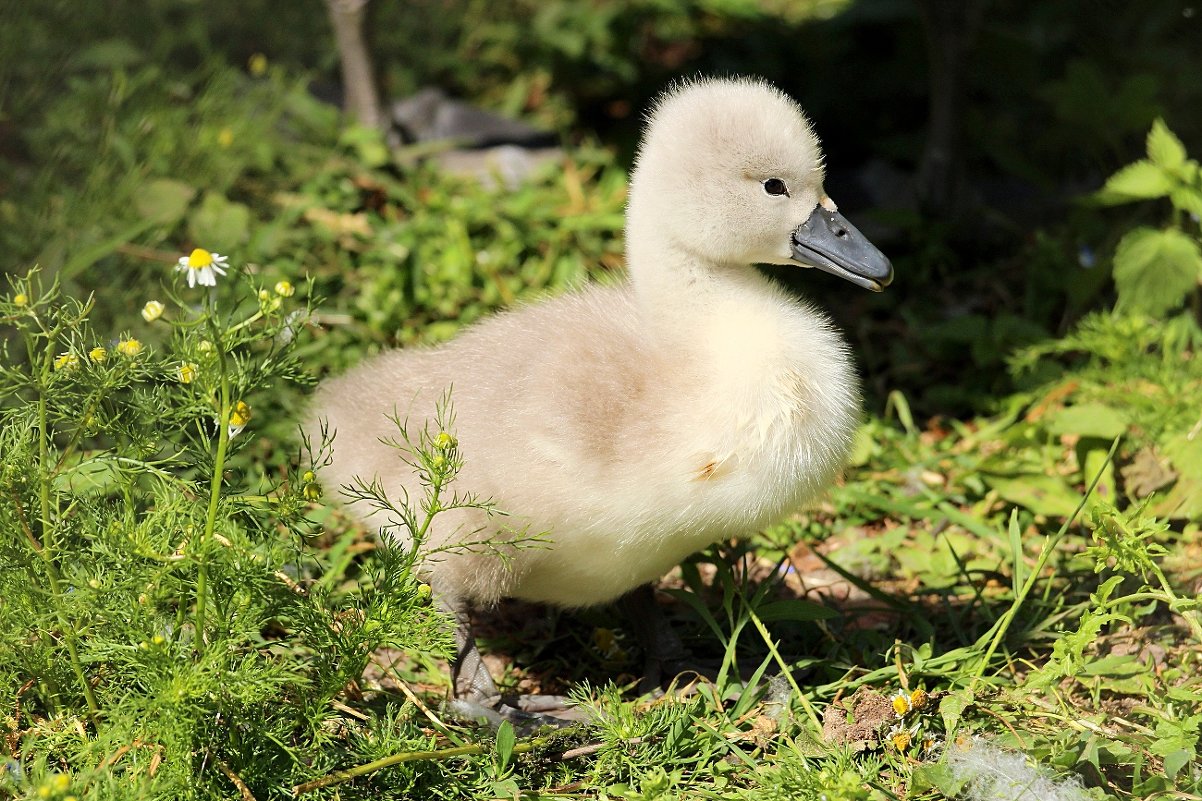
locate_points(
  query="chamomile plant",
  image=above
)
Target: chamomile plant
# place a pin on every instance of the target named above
(160, 615)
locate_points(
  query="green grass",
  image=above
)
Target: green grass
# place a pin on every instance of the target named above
(184, 616)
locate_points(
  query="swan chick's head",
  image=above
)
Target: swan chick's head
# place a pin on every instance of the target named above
(730, 172)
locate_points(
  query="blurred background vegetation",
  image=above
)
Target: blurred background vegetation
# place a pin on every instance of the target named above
(130, 132)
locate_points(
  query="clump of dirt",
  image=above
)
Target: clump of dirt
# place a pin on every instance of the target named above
(858, 721)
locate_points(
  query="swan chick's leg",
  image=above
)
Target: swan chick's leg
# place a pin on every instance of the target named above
(664, 653)
(476, 694)
(469, 675)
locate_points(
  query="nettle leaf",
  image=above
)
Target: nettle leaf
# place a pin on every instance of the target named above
(1154, 271)
(1164, 148)
(1142, 180)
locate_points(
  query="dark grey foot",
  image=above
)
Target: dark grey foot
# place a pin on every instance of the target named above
(526, 713)
(476, 694)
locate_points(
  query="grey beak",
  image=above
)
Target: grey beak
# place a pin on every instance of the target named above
(832, 244)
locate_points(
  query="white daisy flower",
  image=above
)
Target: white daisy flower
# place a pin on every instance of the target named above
(202, 267)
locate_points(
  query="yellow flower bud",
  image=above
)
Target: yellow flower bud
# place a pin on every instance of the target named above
(312, 492)
(152, 311)
(66, 361)
(20, 299)
(98, 354)
(225, 137)
(284, 289)
(309, 477)
(257, 64)
(129, 348)
(240, 414)
(445, 441)
(239, 417)
(187, 372)
(264, 295)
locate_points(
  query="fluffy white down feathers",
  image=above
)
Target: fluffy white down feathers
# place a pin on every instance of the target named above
(634, 424)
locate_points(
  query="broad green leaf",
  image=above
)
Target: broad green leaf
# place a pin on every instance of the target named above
(1154, 271)
(219, 224)
(1177, 742)
(163, 201)
(1041, 493)
(1176, 760)
(1088, 420)
(1164, 148)
(952, 706)
(1142, 180)
(505, 742)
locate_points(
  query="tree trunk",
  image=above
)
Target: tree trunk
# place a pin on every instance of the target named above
(950, 28)
(358, 84)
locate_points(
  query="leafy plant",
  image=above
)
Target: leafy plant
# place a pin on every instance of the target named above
(1158, 270)
(146, 582)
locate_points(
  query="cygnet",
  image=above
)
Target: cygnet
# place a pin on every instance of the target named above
(633, 425)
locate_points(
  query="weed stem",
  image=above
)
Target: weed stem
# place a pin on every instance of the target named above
(46, 551)
(341, 776)
(223, 441)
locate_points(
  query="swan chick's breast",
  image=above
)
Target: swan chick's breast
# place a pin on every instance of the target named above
(757, 427)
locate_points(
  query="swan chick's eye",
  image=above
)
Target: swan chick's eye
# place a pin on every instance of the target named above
(776, 187)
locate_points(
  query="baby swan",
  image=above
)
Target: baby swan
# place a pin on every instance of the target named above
(638, 424)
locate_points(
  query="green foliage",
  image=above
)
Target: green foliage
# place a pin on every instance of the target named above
(416, 258)
(1156, 271)
(147, 587)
